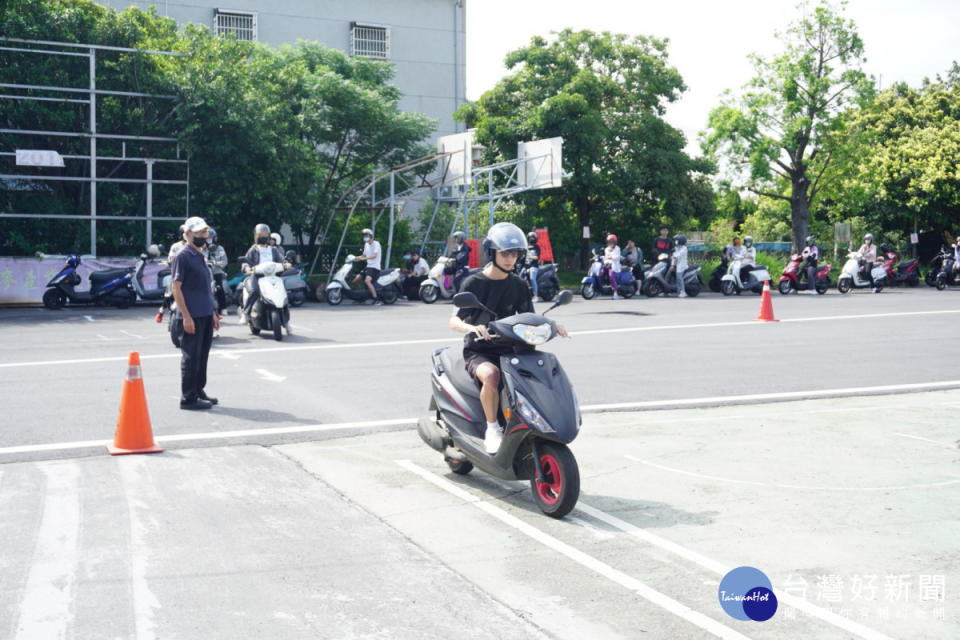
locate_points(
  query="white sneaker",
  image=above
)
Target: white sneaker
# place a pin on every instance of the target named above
(492, 440)
(242, 318)
(616, 297)
(536, 299)
(682, 295)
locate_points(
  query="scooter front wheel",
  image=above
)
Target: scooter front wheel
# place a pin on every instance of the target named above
(54, 299)
(460, 467)
(335, 296)
(843, 285)
(429, 294)
(728, 288)
(277, 325)
(559, 490)
(588, 291)
(784, 287)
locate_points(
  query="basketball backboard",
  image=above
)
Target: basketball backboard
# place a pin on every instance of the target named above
(456, 167)
(541, 165)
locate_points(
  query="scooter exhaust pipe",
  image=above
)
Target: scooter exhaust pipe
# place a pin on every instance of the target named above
(432, 434)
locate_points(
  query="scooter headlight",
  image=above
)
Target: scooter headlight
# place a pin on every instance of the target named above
(533, 334)
(531, 415)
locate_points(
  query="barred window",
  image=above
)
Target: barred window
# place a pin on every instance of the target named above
(241, 24)
(369, 41)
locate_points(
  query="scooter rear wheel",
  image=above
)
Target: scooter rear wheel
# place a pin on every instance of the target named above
(558, 493)
(460, 467)
(652, 288)
(388, 295)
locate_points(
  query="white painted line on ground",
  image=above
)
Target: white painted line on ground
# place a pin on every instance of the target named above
(106, 339)
(216, 435)
(926, 485)
(132, 335)
(226, 355)
(942, 444)
(89, 318)
(399, 343)
(272, 377)
(812, 394)
(46, 607)
(144, 601)
(615, 575)
(722, 569)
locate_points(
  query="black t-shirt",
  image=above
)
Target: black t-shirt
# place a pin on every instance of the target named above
(462, 257)
(505, 297)
(662, 245)
(189, 268)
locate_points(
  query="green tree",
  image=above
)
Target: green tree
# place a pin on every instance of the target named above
(781, 139)
(605, 94)
(906, 167)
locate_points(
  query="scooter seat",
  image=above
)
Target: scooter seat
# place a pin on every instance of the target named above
(106, 276)
(454, 366)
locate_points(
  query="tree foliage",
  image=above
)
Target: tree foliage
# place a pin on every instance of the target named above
(782, 137)
(273, 135)
(605, 94)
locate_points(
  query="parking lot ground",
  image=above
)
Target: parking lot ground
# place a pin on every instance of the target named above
(849, 505)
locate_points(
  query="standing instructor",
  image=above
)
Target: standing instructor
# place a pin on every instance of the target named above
(191, 285)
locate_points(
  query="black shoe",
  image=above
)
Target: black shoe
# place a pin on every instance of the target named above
(203, 396)
(196, 405)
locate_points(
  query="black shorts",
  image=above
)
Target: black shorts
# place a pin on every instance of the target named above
(474, 360)
(373, 273)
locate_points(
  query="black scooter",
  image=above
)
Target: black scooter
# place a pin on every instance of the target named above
(112, 286)
(716, 278)
(538, 409)
(547, 283)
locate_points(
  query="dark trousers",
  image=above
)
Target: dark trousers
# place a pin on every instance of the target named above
(220, 291)
(195, 349)
(411, 286)
(252, 284)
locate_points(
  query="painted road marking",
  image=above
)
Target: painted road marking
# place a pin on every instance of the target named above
(89, 318)
(721, 569)
(45, 608)
(216, 435)
(145, 601)
(927, 485)
(942, 444)
(272, 377)
(615, 575)
(397, 343)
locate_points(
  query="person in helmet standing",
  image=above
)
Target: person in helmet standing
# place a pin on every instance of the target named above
(611, 264)
(810, 255)
(533, 262)
(259, 252)
(679, 261)
(371, 255)
(498, 288)
(217, 256)
(868, 257)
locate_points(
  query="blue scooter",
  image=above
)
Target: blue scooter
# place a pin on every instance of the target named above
(593, 284)
(114, 286)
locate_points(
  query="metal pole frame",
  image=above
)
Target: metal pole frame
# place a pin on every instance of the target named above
(91, 91)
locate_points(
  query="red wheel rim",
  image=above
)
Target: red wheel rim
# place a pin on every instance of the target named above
(549, 491)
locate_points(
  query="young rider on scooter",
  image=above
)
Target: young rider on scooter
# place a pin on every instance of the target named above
(503, 292)
(371, 254)
(533, 262)
(868, 257)
(680, 263)
(611, 263)
(260, 251)
(810, 255)
(748, 257)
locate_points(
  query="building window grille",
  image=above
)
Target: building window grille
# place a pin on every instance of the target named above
(241, 24)
(369, 41)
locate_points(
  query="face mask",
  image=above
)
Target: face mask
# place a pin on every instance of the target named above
(199, 242)
(262, 240)
(367, 238)
(406, 256)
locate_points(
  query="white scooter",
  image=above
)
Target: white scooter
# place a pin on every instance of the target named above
(387, 286)
(433, 287)
(850, 275)
(272, 311)
(731, 283)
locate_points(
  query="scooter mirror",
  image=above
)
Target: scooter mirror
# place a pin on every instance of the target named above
(466, 300)
(566, 296)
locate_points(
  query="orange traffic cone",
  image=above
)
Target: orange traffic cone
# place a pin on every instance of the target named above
(133, 434)
(766, 305)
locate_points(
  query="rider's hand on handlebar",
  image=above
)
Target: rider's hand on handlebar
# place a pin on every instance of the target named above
(480, 331)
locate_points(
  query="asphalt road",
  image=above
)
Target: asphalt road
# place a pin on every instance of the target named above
(62, 371)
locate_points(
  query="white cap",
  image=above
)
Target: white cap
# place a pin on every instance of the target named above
(194, 224)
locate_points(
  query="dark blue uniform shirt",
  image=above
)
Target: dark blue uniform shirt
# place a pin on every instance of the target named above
(189, 268)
